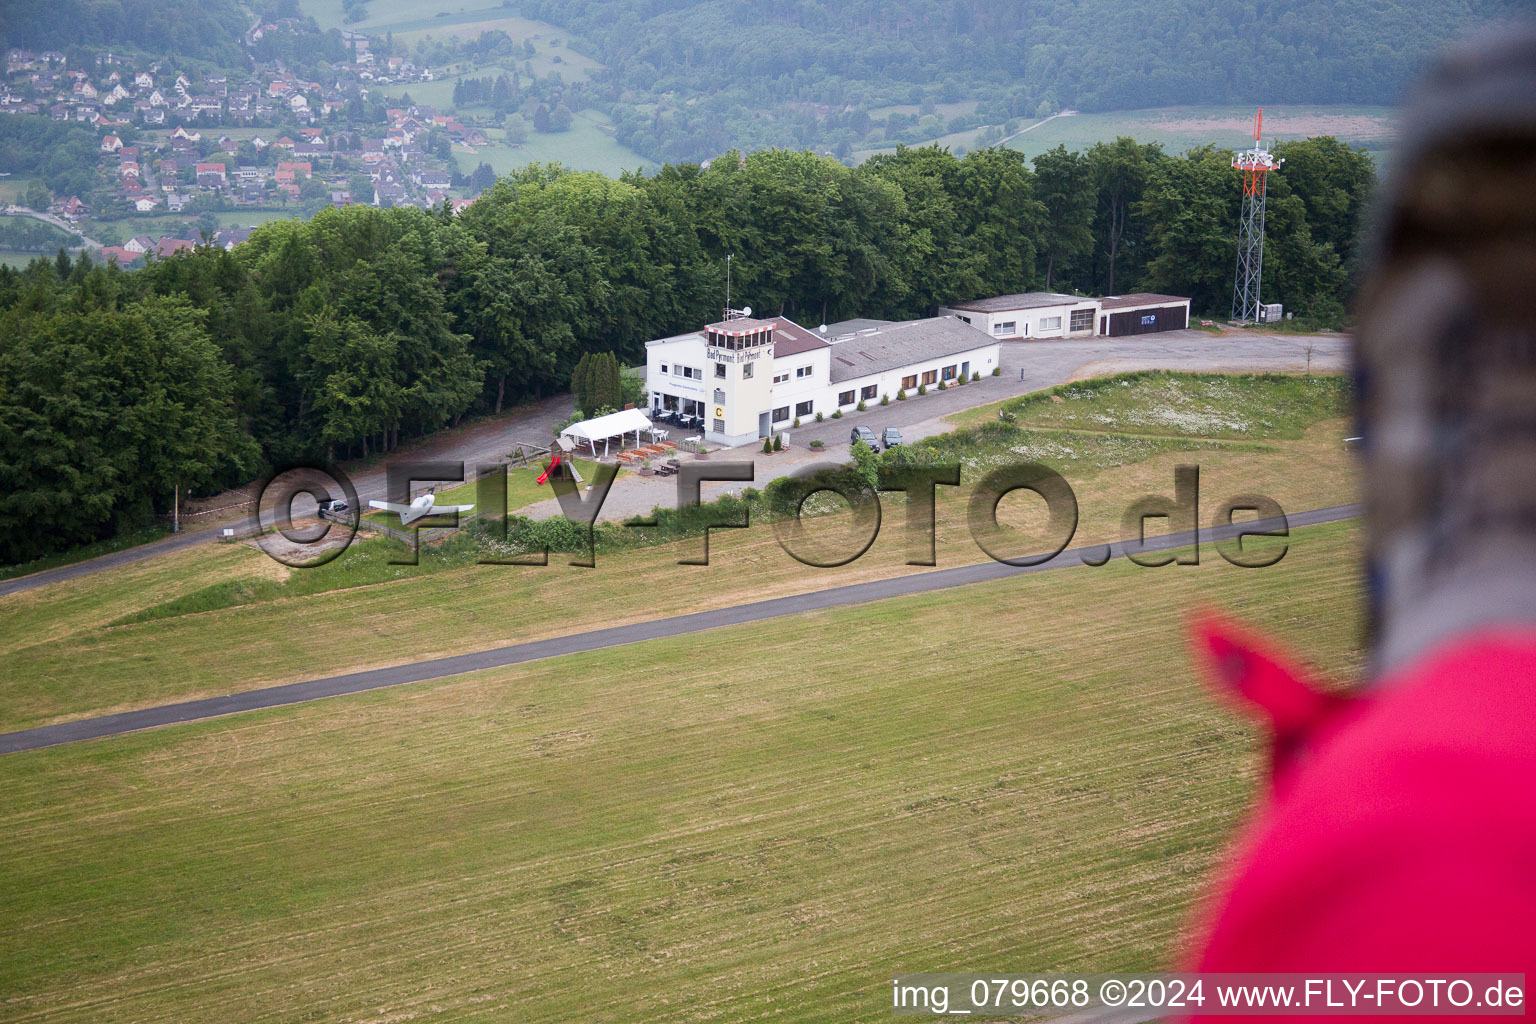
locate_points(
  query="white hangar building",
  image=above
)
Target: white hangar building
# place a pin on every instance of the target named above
(745, 378)
(1032, 315)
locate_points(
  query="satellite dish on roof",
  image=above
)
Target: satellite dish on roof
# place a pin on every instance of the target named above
(822, 328)
(746, 310)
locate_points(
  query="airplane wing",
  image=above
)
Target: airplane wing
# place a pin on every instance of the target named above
(410, 513)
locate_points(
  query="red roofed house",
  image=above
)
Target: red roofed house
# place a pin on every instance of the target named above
(211, 174)
(294, 168)
(117, 254)
(111, 144)
(169, 246)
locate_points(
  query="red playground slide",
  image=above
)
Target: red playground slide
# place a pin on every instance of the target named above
(553, 465)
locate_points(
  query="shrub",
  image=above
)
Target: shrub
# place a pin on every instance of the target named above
(958, 381)
(862, 406)
(976, 375)
(922, 389)
(837, 414)
(997, 371)
(885, 399)
(901, 395)
(778, 442)
(942, 385)
(818, 417)
(867, 462)
(767, 446)
(818, 444)
(796, 424)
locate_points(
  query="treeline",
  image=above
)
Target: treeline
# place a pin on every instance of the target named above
(340, 336)
(690, 78)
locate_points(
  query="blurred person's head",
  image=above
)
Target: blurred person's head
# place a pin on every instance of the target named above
(1447, 356)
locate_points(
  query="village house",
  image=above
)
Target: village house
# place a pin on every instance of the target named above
(169, 246)
(211, 175)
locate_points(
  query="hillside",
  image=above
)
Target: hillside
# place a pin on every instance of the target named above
(200, 29)
(694, 78)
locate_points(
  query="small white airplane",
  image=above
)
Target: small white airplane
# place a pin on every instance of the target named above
(422, 506)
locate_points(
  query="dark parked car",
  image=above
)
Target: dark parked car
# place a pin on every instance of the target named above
(863, 434)
(891, 436)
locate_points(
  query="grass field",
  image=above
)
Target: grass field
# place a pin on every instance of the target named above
(1216, 405)
(329, 13)
(585, 147)
(13, 188)
(760, 821)
(11, 258)
(523, 489)
(237, 629)
(181, 226)
(411, 22)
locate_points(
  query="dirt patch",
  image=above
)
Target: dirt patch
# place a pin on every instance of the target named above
(277, 546)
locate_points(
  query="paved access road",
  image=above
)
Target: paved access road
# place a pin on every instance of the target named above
(577, 643)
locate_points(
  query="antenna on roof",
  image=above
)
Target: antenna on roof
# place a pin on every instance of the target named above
(728, 284)
(822, 328)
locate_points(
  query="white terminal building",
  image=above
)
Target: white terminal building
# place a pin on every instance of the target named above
(745, 378)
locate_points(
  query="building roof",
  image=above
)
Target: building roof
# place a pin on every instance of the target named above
(903, 344)
(1022, 300)
(790, 339)
(853, 326)
(1139, 299)
(169, 246)
(685, 336)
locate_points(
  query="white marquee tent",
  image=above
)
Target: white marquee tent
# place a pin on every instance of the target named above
(615, 424)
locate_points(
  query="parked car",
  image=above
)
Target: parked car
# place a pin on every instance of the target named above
(891, 436)
(334, 508)
(863, 434)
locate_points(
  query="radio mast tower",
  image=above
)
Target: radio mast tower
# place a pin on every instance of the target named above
(1255, 163)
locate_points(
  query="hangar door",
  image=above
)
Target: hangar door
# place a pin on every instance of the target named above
(1148, 321)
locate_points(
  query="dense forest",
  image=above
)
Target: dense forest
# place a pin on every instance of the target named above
(206, 30)
(691, 78)
(61, 153)
(342, 335)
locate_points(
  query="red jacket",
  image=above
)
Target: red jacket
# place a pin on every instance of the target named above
(1400, 830)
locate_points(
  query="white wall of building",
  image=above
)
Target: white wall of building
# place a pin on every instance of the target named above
(665, 360)
(805, 380)
(1036, 322)
(826, 397)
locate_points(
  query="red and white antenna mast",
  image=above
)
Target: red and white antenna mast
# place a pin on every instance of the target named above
(1255, 163)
